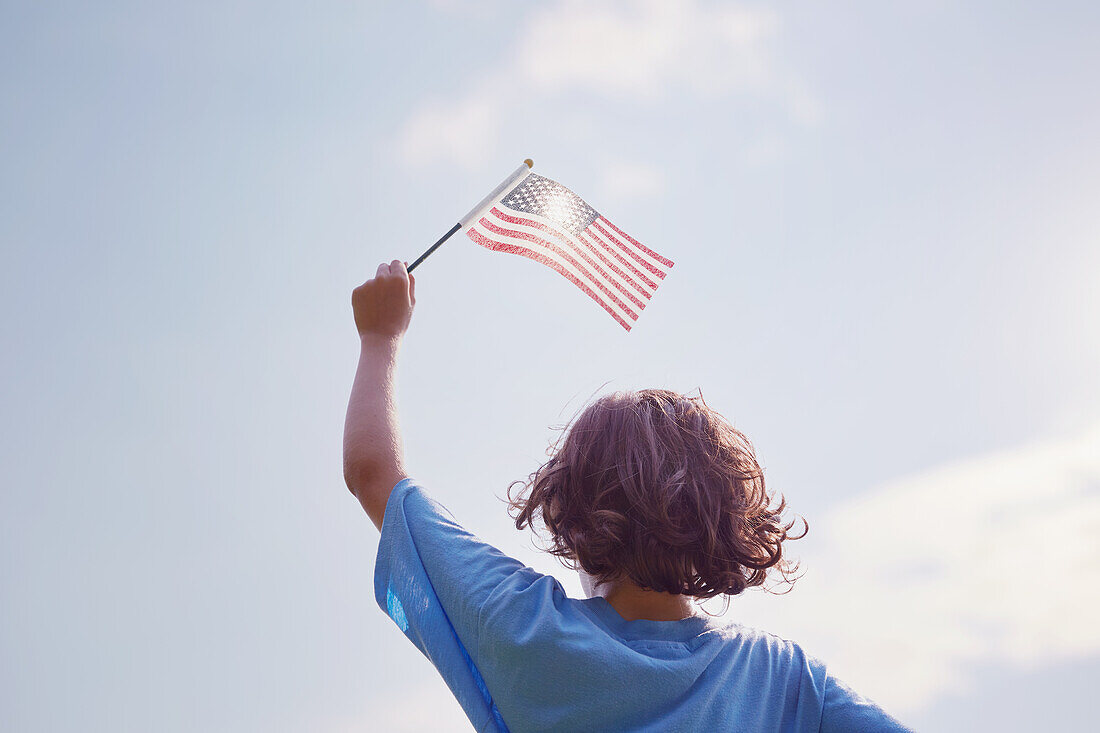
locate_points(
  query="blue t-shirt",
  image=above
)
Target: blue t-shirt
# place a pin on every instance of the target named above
(520, 655)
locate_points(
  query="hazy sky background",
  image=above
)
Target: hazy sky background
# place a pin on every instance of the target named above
(885, 224)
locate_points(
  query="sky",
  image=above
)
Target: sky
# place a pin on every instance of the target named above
(884, 223)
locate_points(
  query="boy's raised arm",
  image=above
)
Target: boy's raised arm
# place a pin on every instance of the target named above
(373, 455)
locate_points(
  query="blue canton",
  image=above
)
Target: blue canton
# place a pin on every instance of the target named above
(553, 201)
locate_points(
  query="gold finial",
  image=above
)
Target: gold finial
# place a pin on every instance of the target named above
(530, 163)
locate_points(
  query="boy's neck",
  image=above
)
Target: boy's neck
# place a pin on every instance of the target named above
(634, 603)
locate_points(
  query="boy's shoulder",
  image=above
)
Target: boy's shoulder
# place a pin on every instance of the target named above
(755, 640)
(544, 601)
(527, 585)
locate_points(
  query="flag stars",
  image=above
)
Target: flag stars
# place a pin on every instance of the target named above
(551, 200)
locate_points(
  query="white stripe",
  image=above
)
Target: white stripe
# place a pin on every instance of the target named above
(629, 279)
(633, 262)
(640, 291)
(660, 266)
(574, 246)
(582, 275)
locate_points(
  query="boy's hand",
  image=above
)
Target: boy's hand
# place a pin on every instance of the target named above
(383, 306)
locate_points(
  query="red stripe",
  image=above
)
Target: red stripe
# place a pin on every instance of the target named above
(534, 238)
(609, 263)
(543, 259)
(608, 248)
(622, 275)
(517, 220)
(639, 245)
(551, 230)
(616, 255)
(637, 257)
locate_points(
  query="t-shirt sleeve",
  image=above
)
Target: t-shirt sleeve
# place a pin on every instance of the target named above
(432, 577)
(846, 710)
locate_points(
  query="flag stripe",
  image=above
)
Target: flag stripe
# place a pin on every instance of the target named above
(535, 239)
(623, 277)
(530, 220)
(604, 242)
(573, 242)
(543, 259)
(639, 245)
(630, 251)
(593, 241)
(538, 244)
(578, 277)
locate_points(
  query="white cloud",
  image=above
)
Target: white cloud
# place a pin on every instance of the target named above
(990, 560)
(461, 131)
(638, 51)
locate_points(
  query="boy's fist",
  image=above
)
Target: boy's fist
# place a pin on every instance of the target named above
(383, 306)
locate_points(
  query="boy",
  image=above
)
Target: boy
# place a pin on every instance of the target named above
(656, 500)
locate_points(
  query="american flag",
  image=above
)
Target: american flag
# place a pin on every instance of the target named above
(543, 220)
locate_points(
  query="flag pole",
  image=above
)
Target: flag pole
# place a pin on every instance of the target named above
(434, 247)
(477, 210)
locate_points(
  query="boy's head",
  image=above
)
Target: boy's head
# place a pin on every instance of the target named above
(657, 488)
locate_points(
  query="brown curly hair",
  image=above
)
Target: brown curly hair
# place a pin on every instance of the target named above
(658, 488)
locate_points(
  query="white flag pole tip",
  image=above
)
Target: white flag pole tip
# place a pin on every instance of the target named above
(517, 175)
(476, 212)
